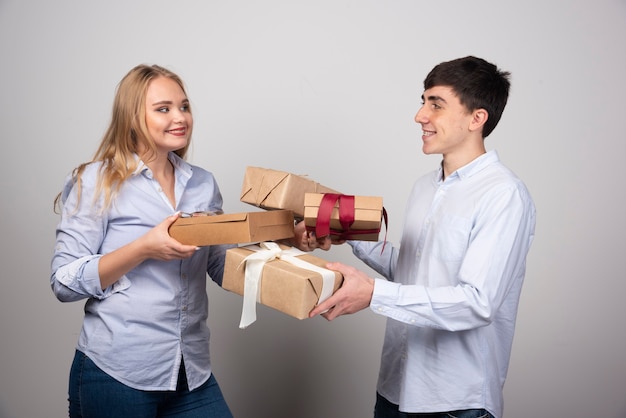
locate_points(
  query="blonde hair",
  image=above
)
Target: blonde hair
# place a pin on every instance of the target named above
(127, 131)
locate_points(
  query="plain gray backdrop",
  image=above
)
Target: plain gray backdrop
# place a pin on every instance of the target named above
(328, 88)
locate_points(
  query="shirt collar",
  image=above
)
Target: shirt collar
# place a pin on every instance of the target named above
(180, 166)
(473, 167)
(478, 164)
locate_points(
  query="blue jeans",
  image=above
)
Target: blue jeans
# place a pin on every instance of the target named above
(95, 394)
(386, 409)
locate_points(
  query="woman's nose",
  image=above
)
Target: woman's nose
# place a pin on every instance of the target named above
(179, 115)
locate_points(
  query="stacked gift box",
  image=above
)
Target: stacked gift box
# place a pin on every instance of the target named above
(274, 189)
(343, 217)
(233, 228)
(290, 281)
(285, 279)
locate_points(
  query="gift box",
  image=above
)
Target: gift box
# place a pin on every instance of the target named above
(273, 189)
(233, 228)
(281, 277)
(344, 216)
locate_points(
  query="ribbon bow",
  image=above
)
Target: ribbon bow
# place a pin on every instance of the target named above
(254, 263)
(346, 218)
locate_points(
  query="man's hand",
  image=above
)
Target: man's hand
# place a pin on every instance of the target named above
(307, 241)
(355, 293)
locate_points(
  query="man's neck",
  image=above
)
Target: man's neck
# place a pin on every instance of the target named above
(452, 162)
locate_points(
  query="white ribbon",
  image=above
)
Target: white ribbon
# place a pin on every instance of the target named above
(268, 251)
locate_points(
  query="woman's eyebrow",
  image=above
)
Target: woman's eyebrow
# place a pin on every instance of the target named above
(168, 102)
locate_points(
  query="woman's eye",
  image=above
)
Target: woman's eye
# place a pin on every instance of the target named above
(163, 109)
(185, 108)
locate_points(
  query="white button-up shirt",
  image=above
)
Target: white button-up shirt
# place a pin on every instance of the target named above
(453, 288)
(137, 329)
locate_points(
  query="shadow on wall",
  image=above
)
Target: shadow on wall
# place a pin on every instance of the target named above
(286, 373)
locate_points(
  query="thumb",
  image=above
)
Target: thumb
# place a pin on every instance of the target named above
(337, 266)
(171, 219)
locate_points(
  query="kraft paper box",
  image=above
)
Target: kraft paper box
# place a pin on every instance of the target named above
(273, 189)
(368, 215)
(283, 286)
(234, 228)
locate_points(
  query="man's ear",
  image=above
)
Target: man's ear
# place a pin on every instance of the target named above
(479, 117)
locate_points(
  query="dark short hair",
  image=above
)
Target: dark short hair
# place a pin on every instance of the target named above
(477, 83)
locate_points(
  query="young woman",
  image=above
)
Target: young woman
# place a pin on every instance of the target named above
(143, 350)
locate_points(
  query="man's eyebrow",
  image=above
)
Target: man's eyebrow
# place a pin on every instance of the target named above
(434, 98)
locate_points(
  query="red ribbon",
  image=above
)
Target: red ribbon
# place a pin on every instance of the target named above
(346, 217)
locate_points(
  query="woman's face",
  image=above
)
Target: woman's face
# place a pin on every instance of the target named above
(168, 116)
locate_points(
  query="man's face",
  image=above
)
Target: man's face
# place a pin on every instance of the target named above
(445, 122)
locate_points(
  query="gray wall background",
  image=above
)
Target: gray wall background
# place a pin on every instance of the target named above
(327, 88)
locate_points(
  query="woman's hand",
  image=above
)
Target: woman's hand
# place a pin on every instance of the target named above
(159, 245)
(155, 244)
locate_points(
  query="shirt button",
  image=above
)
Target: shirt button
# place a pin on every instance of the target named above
(185, 308)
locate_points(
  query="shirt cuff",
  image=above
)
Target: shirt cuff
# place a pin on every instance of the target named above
(94, 286)
(92, 279)
(82, 277)
(385, 295)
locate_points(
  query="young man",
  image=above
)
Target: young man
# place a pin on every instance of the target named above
(452, 287)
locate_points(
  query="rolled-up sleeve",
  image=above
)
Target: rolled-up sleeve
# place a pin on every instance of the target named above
(79, 234)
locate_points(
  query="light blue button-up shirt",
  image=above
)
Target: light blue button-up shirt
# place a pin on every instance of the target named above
(137, 329)
(453, 289)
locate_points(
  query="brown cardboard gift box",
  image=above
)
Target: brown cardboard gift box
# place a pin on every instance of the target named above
(367, 217)
(283, 286)
(273, 189)
(233, 228)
